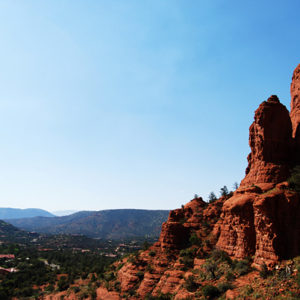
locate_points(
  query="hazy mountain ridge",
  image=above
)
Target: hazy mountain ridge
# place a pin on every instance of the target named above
(111, 224)
(16, 213)
(61, 213)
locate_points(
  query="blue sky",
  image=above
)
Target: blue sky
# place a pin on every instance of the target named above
(135, 104)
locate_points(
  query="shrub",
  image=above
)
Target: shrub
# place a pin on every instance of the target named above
(161, 296)
(194, 240)
(149, 269)
(76, 289)
(117, 286)
(190, 284)
(109, 276)
(248, 290)
(264, 272)
(224, 286)
(140, 275)
(48, 288)
(229, 276)
(190, 252)
(210, 291)
(242, 267)
(298, 276)
(220, 255)
(132, 292)
(294, 180)
(187, 261)
(62, 283)
(152, 253)
(120, 266)
(211, 267)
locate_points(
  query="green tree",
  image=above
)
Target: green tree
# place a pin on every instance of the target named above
(62, 283)
(224, 191)
(212, 197)
(235, 186)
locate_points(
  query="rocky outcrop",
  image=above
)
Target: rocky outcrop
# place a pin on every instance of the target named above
(161, 268)
(295, 102)
(271, 144)
(295, 111)
(261, 219)
(261, 224)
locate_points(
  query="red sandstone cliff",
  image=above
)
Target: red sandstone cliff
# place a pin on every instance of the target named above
(260, 220)
(295, 101)
(270, 141)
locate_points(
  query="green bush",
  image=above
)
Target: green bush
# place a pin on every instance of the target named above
(149, 269)
(220, 256)
(229, 276)
(298, 276)
(117, 286)
(224, 286)
(294, 180)
(62, 284)
(152, 253)
(109, 276)
(140, 275)
(48, 288)
(264, 272)
(242, 267)
(119, 266)
(210, 291)
(161, 296)
(211, 268)
(76, 289)
(190, 284)
(187, 262)
(194, 240)
(190, 252)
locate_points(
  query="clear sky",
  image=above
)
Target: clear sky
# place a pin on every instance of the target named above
(135, 104)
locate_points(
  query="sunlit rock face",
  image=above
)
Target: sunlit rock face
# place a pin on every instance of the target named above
(295, 110)
(270, 140)
(295, 101)
(262, 219)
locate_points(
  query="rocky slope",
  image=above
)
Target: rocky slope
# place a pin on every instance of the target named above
(262, 218)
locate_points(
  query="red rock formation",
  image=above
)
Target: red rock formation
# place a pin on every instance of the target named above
(260, 220)
(265, 226)
(271, 144)
(295, 102)
(295, 111)
(161, 265)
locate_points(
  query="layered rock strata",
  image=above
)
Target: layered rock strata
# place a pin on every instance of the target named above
(262, 219)
(263, 224)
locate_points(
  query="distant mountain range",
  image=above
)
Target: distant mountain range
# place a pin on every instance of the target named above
(107, 224)
(16, 213)
(60, 213)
